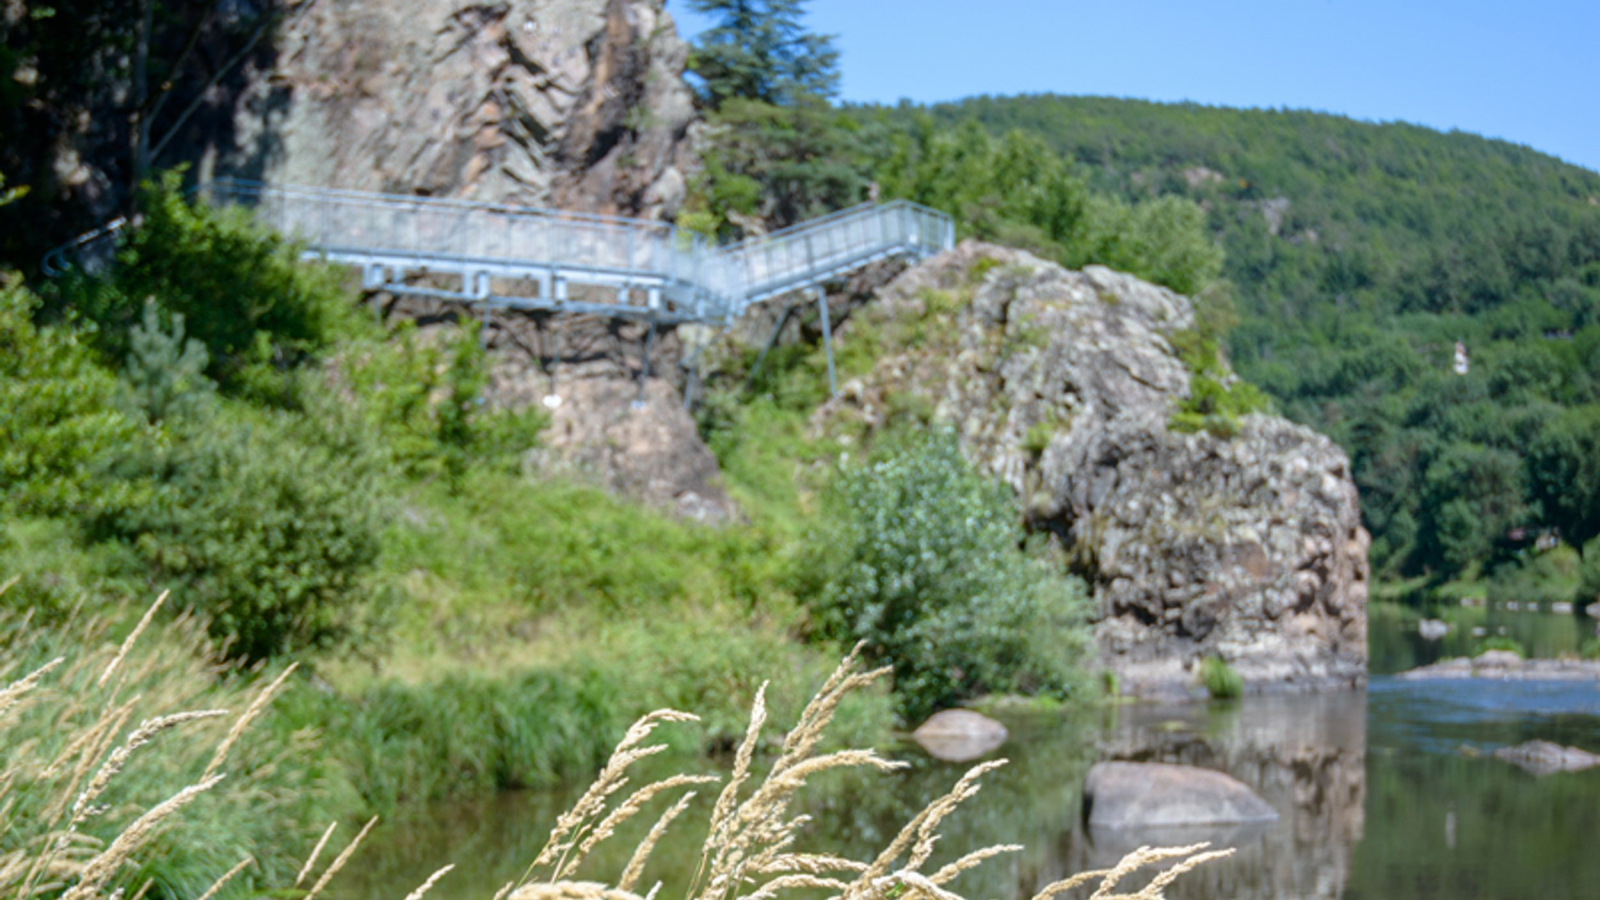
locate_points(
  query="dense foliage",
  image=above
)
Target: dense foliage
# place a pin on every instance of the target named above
(920, 557)
(60, 420)
(1357, 255)
(239, 288)
(271, 537)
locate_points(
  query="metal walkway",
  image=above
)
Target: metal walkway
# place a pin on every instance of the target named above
(500, 256)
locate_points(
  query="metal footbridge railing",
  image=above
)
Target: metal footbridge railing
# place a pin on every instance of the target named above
(527, 258)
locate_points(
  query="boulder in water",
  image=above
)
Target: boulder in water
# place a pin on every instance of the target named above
(959, 735)
(1546, 758)
(1132, 795)
(1433, 629)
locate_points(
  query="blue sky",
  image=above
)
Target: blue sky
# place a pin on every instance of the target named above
(1525, 71)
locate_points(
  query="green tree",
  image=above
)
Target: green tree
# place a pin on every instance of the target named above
(1014, 189)
(760, 50)
(1564, 470)
(165, 372)
(776, 165)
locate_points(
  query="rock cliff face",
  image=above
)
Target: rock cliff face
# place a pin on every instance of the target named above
(1063, 384)
(578, 104)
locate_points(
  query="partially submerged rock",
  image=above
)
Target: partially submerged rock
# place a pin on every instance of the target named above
(1138, 795)
(1546, 758)
(1504, 665)
(1064, 384)
(960, 735)
(1433, 629)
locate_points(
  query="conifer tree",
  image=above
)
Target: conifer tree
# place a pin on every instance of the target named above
(759, 50)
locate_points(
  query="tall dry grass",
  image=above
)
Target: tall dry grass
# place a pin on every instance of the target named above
(52, 790)
(750, 850)
(132, 764)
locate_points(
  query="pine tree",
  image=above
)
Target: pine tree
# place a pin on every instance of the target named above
(165, 372)
(759, 50)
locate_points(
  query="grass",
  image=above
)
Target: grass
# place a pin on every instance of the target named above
(74, 824)
(104, 741)
(536, 616)
(1220, 680)
(1499, 642)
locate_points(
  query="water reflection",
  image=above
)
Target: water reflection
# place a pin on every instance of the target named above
(1396, 642)
(1302, 754)
(1375, 797)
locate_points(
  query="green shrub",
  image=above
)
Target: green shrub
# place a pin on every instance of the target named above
(60, 419)
(241, 289)
(427, 402)
(271, 537)
(1500, 642)
(1538, 578)
(919, 556)
(1590, 649)
(1216, 398)
(1220, 680)
(1589, 574)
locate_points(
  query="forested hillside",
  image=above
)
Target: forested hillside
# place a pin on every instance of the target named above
(1356, 255)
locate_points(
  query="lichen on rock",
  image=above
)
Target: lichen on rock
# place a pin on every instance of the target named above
(1064, 384)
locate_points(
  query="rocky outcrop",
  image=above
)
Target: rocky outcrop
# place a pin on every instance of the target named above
(1133, 795)
(616, 421)
(637, 443)
(578, 104)
(1064, 384)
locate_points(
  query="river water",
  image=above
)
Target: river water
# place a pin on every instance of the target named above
(1386, 794)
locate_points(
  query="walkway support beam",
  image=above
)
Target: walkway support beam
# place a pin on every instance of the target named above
(827, 340)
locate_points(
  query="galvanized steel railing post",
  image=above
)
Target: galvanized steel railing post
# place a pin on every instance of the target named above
(827, 340)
